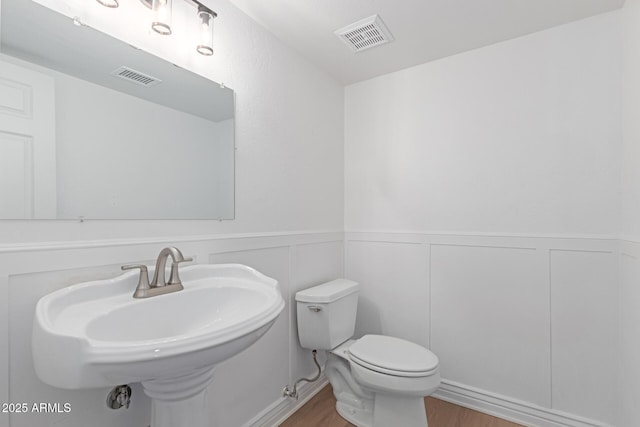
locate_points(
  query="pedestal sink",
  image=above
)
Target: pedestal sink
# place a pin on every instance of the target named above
(95, 334)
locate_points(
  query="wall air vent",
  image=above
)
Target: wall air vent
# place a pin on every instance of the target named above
(365, 34)
(136, 77)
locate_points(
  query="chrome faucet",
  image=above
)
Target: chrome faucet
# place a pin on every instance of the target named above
(158, 285)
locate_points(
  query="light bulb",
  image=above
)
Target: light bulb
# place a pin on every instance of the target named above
(161, 12)
(205, 17)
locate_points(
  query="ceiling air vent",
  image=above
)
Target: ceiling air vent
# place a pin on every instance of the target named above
(136, 77)
(365, 34)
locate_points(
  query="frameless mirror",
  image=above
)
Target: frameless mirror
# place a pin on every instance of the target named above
(93, 128)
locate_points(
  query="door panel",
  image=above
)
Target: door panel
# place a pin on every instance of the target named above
(27, 144)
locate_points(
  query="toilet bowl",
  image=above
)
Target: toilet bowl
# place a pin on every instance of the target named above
(378, 380)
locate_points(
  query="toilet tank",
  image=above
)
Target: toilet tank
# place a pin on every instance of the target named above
(327, 314)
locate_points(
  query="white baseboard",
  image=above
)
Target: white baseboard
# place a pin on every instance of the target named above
(509, 409)
(280, 410)
(489, 403)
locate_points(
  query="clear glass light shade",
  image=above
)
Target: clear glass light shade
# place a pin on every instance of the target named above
(205, 20)
(161, 16)
(109, 3)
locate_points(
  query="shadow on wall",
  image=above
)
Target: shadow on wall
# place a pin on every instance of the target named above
(368, 318)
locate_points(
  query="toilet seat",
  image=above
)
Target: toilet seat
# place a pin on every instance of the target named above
(393, 356)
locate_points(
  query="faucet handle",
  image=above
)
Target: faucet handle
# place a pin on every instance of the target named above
(143, 280)
(143, 268)
(174, 277)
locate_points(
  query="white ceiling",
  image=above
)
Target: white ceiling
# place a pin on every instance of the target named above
(424, 30)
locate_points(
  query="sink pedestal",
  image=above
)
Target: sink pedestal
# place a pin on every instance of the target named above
(180, 401)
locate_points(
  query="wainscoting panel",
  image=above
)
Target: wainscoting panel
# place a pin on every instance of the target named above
(504, 313)
(467, 296)
(4, 346)
(24, 292)
(490, 321)
(234, 395)
(629, 334)
(244, 387)
(394, 293)
(584, 316)
(312, 264)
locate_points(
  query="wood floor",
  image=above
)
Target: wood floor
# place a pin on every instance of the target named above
(320, 411)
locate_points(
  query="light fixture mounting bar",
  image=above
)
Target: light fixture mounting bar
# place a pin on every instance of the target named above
(196, 3)
(202, 7)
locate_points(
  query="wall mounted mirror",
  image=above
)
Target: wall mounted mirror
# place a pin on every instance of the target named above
(93, 128)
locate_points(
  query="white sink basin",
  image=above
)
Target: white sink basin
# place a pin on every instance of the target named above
(95, 334)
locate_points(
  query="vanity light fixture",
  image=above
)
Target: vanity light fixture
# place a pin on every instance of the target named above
(161, 20)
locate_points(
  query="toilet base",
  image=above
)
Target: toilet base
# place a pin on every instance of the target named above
(388, 410)
(365, 407)
(405, 411)
(356, 416)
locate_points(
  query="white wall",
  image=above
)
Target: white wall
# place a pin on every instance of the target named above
(630, 246)
(517, 137)
(482, 208)
(289, 191)
(631, 124)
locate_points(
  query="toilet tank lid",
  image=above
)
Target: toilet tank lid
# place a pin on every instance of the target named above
(328, 292)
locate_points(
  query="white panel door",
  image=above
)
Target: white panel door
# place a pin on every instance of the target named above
(27, 144)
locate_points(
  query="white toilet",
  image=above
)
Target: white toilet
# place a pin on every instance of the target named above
(378, 381)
